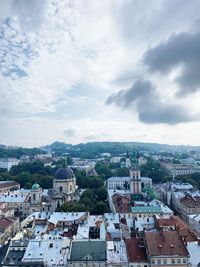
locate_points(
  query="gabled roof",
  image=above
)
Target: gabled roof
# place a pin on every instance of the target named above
(165, 243)
(179, 225)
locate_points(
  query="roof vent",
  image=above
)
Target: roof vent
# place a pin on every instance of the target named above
(160, 246)
(171, 245)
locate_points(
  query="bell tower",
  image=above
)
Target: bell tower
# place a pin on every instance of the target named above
(135, 178)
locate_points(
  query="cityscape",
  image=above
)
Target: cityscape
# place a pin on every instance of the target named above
(99, 133)
(140, 207)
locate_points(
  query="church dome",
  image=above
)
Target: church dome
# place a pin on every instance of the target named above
(64, 174)
(36, 186)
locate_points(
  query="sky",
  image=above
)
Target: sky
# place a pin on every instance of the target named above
(105, 70)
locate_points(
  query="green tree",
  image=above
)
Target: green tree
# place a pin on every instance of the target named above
(100, 208)
(103, 169)
(101, 194)
(88, 203)
(89, 193)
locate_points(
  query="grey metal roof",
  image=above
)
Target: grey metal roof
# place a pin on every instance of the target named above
(64, 173)
(88, 251)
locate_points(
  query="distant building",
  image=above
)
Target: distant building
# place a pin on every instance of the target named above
(122, 182)
(7, 163)
(189, 205)
(7, 186)
(194, 222)
(182, 169)
(105, 155)
(115, 160)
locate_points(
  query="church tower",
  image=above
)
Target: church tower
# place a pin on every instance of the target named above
(135, 178)
(36, 194)
(128, 160)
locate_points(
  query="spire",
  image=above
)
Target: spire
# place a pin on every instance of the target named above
(135, 161)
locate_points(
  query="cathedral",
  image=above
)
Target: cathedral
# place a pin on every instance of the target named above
(64, 186)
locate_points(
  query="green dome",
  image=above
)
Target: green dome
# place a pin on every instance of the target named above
(36, 186)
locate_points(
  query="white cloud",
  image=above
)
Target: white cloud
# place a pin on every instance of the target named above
(49, 47)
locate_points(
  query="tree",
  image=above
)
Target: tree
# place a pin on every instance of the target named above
(94, 182)
(126, 185)
(89, 193)
(103, 169)
(122, 172)
(101, 194)
(71, 206)
(88, 203)
(154, 170)
(100, 208)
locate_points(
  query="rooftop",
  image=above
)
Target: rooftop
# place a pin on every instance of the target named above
(116, 252)
(5, 223)
(136, 250)
(13, 197)
(194, 250)
(52, 250)
(177, 224)
(8, 183)
(146, 209)
(64, 173)
(191, 201)
(121, 203)
(65, 216)
(166, 243)
(85, 250)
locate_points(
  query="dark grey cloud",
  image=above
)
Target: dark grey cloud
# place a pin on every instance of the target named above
(180, 50)
(144, 98)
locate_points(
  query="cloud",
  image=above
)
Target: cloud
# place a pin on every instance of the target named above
(143, 97)
(70, 132)
(30, 13)
(179, 53)
(56, 67)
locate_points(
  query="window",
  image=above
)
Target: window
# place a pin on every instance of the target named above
(172, 261)
(153, 261)
(158, 261)
(178, 260)
(184, 261)
(164, 261)
(61, 189)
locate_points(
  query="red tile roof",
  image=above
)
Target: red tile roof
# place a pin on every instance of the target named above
(121, 203)
(191, 202)
(179, 225)
(5, 223)
(136, 250)
(5, 184)
(166, 243)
